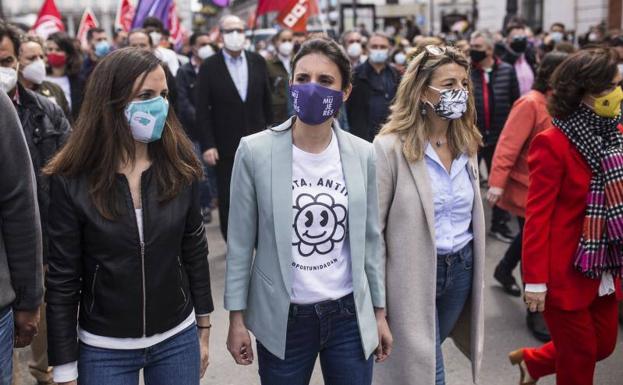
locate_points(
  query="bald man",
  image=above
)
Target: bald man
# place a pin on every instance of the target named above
(233, 100)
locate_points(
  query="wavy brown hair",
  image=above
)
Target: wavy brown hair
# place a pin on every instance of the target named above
(406, 119)
(588, 71)
(102, 141)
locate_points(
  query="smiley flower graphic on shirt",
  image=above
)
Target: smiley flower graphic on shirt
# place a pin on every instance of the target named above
(319, 223)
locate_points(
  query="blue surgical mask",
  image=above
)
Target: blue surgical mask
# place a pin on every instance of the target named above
(102, 48)
(378, 56)
(146, 118)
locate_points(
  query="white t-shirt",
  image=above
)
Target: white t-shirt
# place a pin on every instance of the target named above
(321, 261)
(169, 57)
(62, 82)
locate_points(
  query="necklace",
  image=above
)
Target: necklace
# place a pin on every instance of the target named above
(440, 143)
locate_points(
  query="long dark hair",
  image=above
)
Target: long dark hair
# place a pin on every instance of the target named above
(588, 71)
(102, 140)
(66, 44)
(548, 65)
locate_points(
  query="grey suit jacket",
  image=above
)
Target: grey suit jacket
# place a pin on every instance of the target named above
(259, 255)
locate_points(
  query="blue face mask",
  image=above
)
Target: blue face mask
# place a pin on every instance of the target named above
(146, 118)
(102, 48)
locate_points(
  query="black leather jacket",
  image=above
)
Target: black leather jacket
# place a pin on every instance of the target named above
(46, 129)
(123, 287)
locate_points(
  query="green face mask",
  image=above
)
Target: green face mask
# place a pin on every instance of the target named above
(609, 106)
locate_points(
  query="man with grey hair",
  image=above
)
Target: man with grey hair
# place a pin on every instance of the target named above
(495, 90)
(352, 41)
(233, 100)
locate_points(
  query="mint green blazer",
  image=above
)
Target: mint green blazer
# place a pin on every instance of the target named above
(259, 240)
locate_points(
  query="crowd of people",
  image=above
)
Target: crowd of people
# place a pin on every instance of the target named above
(347, 175)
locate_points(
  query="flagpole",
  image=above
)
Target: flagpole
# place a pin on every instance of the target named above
(1, 10)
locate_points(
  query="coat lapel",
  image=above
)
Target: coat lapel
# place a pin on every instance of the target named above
(422, 183)
(357, 205)
(229, 79)
(281, 187)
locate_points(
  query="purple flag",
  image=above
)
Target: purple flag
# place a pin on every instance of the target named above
(154, 8)
(221, 3)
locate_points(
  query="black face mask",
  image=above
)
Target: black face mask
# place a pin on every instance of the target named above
(477, 56)
(519, 44)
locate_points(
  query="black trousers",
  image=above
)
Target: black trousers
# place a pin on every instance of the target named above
(513, 254)
(224, 168)
(498, 215)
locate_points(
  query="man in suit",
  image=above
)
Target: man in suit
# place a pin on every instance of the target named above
(233, 100)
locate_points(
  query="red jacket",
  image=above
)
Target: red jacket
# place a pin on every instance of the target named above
(509, 172)
(559, 184)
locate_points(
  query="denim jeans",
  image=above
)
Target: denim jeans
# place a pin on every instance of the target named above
(206, 190)
(175, 361)
(329, 329)
(6, 346)
(454, 285)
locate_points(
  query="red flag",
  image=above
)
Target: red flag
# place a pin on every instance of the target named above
(87, 22)
(125, 15)
(178, 32)
(48, 20)
(295, 14)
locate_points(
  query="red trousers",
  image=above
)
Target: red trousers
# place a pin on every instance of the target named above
(580, 338)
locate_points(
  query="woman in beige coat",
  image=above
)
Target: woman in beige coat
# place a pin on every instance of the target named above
(432, 219)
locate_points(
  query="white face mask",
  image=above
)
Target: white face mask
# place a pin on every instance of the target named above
(286, 48)
(400, 58)
(354, 50)
(378, 56)
(234, 41)
(156, 37)
(34, 72)
(8, 79)
(205, 52)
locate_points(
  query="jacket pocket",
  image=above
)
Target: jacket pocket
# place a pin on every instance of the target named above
(97, 267)
(180, 270)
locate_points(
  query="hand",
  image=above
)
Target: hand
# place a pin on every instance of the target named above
(204, 348)
(211, 156)
(26, 327)
(386, 340)
(535, 301)
(239, 340)
(74, 382)
(494, 194)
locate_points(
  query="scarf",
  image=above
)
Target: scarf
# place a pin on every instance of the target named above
(600, 142)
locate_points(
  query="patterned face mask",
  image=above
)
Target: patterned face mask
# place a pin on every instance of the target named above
(452, 103)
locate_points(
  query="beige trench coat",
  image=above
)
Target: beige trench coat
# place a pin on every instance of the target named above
(407, 225)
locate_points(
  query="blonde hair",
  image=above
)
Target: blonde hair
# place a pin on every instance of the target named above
(410, 124)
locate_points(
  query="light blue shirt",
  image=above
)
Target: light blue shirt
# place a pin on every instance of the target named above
(237, 67)
(453, 198)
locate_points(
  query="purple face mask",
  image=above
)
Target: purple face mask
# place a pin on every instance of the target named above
(313, 103)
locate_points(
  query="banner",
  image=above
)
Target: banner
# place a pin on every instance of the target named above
(125, 15)
(48, 20)
(294, 16)
(87, 22)
(152, 8)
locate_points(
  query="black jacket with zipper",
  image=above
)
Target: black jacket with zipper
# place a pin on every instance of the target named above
(122, 287)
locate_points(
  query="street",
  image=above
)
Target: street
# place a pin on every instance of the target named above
(505, 331)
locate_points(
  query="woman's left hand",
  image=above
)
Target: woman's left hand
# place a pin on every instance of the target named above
(494, 194)
(204, 348)
(386, 340)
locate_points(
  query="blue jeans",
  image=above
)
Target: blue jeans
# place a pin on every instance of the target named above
(454, 286)
(175, 361)
(6, 346)
(329, 329)
(206, 188)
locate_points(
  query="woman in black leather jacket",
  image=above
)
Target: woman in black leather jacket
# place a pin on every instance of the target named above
(128, 253)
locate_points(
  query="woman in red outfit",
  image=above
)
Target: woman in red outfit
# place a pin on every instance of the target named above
(572, 258)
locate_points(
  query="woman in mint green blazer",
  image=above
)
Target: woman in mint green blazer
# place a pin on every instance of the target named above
(304, 268)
